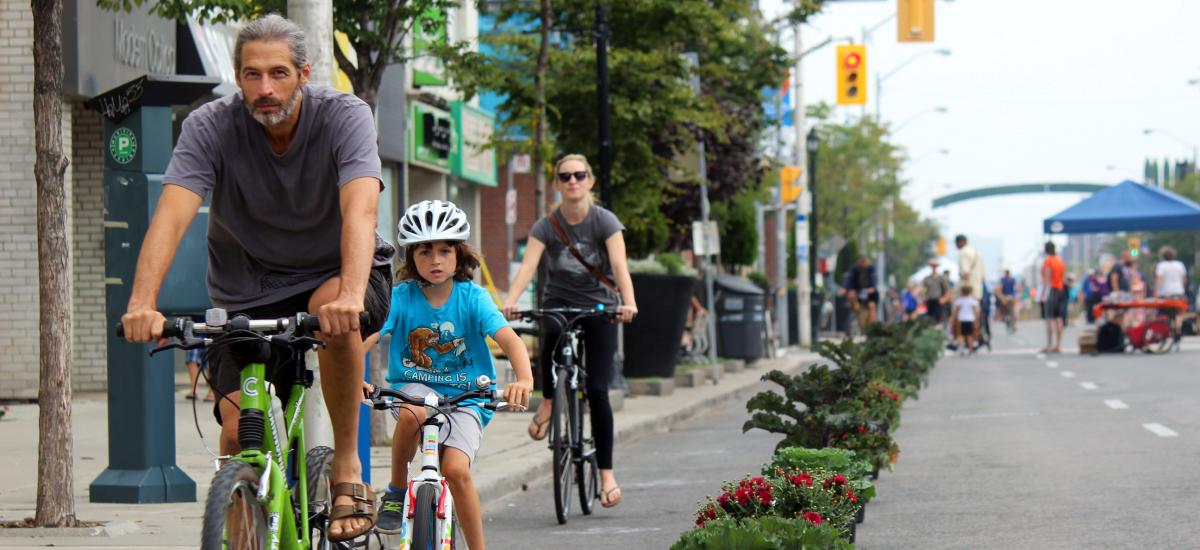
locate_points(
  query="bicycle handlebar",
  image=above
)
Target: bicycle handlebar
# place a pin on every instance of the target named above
(379, 398)
(178, 327)
(563, 312)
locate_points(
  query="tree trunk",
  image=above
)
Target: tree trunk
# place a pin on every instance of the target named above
(55, 485)
(539, 127)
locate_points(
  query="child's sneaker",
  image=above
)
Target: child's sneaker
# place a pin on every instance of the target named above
(391, 513)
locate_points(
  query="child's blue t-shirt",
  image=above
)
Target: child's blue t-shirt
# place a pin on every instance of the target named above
(444, 348)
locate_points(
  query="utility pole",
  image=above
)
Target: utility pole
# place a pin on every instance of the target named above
(804, 299)
(693, 60)
(316, 18)
(602, 107)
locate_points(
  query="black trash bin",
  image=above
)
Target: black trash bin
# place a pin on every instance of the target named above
(740, 320)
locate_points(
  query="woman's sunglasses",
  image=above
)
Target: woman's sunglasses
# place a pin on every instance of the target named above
(566, 176)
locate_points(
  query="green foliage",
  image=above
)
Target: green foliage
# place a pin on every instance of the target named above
(829, 459)
(817, 496)
(739, 236)
(766, 533)
(647, 265)
(655, 115)
(675, 264)
(760, 280)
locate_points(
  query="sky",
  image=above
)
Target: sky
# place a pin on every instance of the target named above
(1034, 91)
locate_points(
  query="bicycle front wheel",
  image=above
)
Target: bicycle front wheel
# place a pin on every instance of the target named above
(425, 534)
(587, 474)
(233, 517)
(560, 444)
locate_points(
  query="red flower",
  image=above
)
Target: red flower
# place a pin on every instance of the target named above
(853, 498)
(712, 514)
(764, 496)
(723, 500)
(699, 522)
(802, 479)
(743, 497)
(813, 518)
(862, 429)
(839, 479)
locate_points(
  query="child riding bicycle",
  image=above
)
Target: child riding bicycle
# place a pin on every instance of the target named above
(439, 322)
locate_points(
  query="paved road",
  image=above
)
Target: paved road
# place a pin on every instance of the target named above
(1014, 450)
(663, 477)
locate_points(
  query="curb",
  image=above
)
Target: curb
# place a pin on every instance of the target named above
(538, 466)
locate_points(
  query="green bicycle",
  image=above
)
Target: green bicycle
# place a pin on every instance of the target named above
(265, 496)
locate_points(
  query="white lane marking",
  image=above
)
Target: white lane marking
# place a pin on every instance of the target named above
(1067, 374)
(1040, 356)
(992, 415)
(1088, 385)
(1160, 430)
(1115, 404)
(1052, 364)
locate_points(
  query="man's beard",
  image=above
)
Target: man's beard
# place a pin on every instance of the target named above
(271, 119)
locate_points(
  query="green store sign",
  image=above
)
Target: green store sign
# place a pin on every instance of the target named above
(431, 138)
(123, 145)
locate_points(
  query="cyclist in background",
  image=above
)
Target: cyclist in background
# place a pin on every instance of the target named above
(585, 253)
(440, 321)
(295, 177)
(1006, 299)
(858, 285)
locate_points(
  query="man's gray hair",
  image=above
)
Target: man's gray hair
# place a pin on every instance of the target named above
(270, 29)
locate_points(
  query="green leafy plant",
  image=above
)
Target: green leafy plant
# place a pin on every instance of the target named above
(766, 533)
(819, 497)
(647, 265)
(675, 264)
(827, 459)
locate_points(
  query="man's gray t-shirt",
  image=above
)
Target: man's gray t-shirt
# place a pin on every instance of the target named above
(275, 221)
(567, 280)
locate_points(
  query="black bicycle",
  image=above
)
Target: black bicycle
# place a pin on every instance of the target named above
(570, 436)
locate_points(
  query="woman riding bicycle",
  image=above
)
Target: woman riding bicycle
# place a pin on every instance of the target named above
(585, 253)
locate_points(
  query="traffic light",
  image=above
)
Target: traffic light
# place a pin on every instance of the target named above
(789, 183)
(940, 249)
(1135, 247)
(852, 75)
(914, 20)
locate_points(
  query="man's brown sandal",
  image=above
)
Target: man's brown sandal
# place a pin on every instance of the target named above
(363, 507)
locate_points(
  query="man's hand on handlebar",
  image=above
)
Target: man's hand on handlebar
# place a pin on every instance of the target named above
(143, 324)
(510, 311)
(626, 313)
(341, 316)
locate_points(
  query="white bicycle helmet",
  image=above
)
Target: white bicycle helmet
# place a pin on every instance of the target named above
(429, 221)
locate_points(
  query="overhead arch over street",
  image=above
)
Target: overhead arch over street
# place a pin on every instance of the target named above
(1017, 189)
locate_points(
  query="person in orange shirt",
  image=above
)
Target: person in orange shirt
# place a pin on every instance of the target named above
(1053, 274)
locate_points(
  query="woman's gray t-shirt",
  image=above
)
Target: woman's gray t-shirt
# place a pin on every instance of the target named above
(567, 280)
(275, 221)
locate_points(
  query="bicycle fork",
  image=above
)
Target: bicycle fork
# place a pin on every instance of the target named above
(430, 475)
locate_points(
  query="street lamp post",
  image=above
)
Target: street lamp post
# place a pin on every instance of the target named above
(812, 146)
(879, 79)
(938, 109)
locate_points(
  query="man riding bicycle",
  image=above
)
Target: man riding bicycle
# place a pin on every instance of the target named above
(295, 178)
(1006, 297)
(860, 281)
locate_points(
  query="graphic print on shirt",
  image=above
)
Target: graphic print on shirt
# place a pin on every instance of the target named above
(435, 354)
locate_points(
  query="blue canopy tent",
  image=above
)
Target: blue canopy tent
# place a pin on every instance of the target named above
(1127, 206)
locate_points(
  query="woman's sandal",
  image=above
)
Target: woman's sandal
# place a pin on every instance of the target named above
(363, 507)
(606, 499)
(539, 429)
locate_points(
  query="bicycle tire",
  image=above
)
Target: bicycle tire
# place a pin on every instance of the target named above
(318, 465)
(233, 499)
(561, 446)
(587, 473)
(425, 535)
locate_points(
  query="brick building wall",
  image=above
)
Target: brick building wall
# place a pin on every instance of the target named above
(87, 250)
(493, 230)
(18, 206)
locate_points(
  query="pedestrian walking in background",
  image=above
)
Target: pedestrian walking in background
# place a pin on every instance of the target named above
(1170, 278)
(1095, 289)
(1054, 278)
(910, 302)
(937, 292)
(966, 319)
(1138, 290)
(970, 267)
(195, 365)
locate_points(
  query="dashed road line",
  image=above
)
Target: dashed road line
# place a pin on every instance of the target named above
(1115, 404)
(1067, 374)
(1160, 430)
(1052, 364)
(1088, 385)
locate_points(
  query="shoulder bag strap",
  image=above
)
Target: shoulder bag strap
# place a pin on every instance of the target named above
(562, 236)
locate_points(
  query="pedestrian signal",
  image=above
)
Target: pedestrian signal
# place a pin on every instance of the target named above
(914, 20)
(1135, 247)
(941, 246)
(852, 75)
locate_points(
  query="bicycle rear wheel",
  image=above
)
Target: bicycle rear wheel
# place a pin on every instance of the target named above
(560, 444)
(233, 517)
(319, 467)
(425, 535)
(587, 472)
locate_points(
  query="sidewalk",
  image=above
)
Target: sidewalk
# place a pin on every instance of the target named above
(507, 461)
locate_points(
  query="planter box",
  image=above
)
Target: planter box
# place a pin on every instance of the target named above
(652, 386)
(734, 366)
(692, 378)
(652, 339)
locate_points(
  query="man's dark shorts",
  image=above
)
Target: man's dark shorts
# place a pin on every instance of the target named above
(225, 368)
(1055, 305)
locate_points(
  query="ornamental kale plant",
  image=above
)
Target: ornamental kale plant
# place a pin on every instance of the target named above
(819, 497)
(765, 533)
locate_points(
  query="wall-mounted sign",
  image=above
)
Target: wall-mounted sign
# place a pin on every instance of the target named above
(122, 145)
(473, 159)
(103, 49)
(431, 137)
